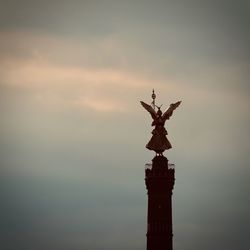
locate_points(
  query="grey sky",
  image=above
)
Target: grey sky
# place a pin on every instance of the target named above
(73, 134)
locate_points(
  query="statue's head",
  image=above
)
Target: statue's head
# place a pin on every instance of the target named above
(159, 113)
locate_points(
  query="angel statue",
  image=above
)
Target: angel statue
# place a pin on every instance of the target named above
(159, 142)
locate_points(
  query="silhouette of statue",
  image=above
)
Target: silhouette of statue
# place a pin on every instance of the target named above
(159, 142)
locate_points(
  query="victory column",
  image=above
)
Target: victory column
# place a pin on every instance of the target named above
(159, 179)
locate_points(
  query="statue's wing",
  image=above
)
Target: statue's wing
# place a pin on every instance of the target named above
(149, 108)
(170, 110)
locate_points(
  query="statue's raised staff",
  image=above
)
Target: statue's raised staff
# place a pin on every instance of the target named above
(159, 142)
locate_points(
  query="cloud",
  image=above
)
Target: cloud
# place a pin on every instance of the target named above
(38, 65)
(71, 79)
(100, 105)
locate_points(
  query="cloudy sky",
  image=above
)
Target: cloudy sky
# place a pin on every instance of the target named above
(73, 134)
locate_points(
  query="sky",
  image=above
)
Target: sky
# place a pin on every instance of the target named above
(73, 133)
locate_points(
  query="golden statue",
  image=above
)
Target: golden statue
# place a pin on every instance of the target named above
(159, 142)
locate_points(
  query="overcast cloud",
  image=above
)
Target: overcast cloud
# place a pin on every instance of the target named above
(73, 133)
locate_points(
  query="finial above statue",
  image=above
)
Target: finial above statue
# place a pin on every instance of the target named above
(159, 142)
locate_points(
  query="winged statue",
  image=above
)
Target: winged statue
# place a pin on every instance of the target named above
(159, 142)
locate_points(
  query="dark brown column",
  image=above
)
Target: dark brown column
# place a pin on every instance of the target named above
(159, 180)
